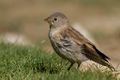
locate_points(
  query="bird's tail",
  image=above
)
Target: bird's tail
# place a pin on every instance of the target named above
(107, 64)
(105, 60)
(110, 66)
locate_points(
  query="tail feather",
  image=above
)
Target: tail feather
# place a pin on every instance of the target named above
(110, 66)
(105, 60)
(107, 64)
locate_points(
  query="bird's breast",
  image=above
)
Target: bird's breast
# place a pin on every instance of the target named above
(55, 33)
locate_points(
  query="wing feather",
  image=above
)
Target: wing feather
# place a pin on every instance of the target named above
(89, 48)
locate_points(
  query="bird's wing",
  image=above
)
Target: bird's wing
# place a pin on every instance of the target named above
(88, 48)
(93, 53)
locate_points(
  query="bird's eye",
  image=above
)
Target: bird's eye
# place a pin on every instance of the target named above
(55, 19)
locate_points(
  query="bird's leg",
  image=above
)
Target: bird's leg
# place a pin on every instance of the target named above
(79, 65)
(70, 66)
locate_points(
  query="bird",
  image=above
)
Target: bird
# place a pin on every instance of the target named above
(71, 45)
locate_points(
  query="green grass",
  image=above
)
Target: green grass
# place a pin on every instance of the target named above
(31, 63)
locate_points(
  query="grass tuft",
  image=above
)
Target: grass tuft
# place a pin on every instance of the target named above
(32, 63)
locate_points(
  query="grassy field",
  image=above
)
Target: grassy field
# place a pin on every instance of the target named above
(32, 63)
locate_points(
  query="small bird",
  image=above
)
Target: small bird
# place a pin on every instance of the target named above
(71, 45)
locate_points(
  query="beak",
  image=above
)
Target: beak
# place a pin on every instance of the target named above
(46, 19)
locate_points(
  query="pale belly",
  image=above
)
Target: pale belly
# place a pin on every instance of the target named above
(76, 57)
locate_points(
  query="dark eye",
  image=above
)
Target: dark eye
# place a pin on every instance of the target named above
(55, 19)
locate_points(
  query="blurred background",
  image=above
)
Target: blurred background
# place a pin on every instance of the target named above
(22, 21)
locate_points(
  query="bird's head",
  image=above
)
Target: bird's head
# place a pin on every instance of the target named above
(57, 20)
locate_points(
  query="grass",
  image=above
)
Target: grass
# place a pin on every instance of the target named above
(31, 63)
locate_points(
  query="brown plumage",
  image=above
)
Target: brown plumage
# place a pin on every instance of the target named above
(72, 45)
